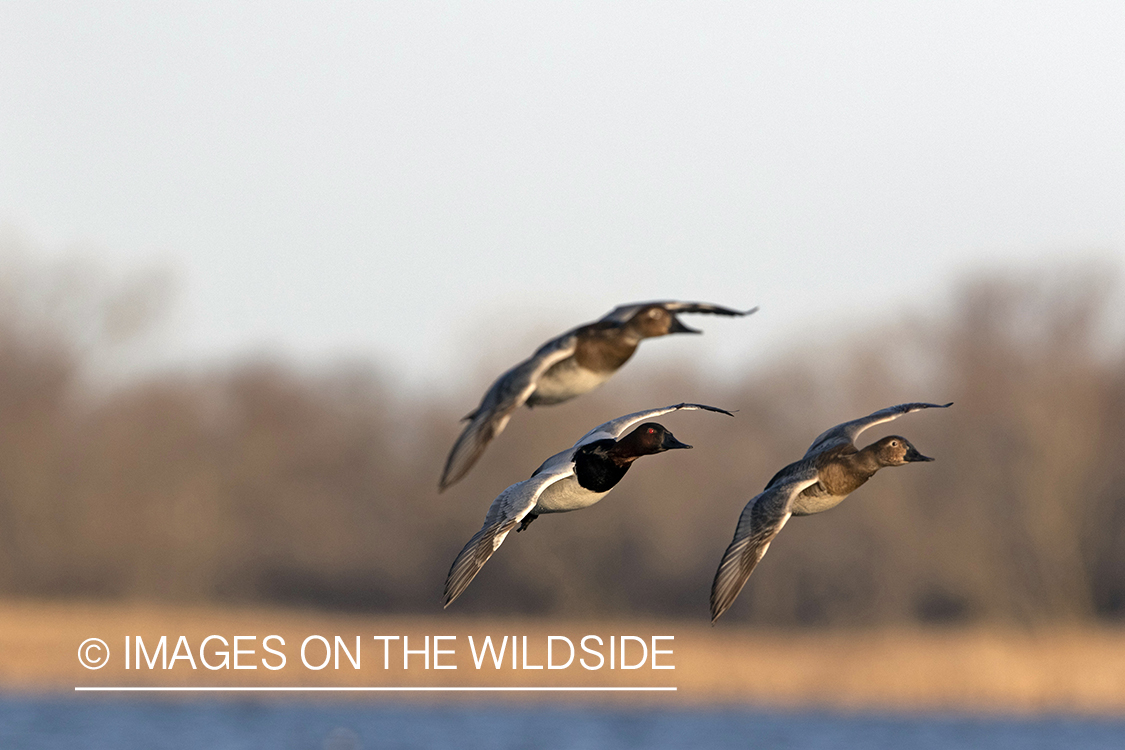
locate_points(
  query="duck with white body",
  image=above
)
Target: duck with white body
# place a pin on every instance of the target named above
(571, 480)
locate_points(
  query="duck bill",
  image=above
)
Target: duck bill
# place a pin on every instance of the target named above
(678, 327)
(912, 455)
(670, 443)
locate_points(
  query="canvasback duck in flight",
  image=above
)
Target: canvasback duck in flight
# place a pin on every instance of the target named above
(832, 469)
(575, 478)
(569, 365)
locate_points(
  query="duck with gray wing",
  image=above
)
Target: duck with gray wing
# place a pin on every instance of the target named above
(567, 366)
(830, 470)
(573, 479)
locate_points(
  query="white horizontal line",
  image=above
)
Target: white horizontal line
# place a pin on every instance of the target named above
(108, 689)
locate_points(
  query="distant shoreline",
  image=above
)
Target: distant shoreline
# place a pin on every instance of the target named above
(966, 670)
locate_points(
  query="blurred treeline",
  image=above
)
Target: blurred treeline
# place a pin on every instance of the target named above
(264, 482)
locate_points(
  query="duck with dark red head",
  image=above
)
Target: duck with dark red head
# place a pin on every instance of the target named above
(598, 466)
(573, 479)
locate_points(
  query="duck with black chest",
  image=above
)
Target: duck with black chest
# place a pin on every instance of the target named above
(830, 470)
(567, 366)
(573, 479)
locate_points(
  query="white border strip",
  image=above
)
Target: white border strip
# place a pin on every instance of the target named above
(107, 689)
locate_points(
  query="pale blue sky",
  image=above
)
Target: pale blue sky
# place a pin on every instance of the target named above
(430, 185)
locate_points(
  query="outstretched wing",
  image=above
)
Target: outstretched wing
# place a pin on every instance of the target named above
(623, 313)
(617, 427)
(506, 395)
(843, 434)
(761, 520)
(505, 513)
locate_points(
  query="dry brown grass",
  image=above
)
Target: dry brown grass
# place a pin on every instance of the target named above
(977, 670)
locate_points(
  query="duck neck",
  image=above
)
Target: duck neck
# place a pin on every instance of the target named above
(864, 463)
(844, 470)
(600, 466)
(619, 454)
(605, 354)
(632, 334)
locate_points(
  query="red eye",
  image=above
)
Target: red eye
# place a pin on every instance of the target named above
(651, 431)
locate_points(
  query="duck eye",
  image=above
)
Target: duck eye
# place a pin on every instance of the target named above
(654, 312)
(651, 431)
(894, 443)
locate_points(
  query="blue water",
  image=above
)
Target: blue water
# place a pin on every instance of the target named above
(39, 723)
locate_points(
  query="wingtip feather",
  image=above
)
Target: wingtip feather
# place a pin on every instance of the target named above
(465, 453)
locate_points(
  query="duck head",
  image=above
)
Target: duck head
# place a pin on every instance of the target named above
(646, 440)
(654, 320)
(895, 450)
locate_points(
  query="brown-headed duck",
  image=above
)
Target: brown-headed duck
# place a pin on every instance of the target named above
(567, 366)
(831, 469)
